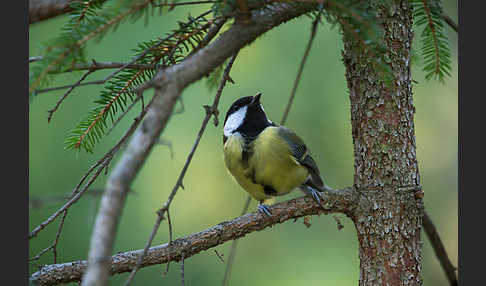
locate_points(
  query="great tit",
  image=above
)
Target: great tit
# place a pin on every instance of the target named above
(266, 159)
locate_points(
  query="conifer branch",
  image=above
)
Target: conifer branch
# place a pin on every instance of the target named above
(336, 201)
(210, 111)
(91, 129)
(87, 5)
(106, 108)
(112, 22)
(101, 165)
(175, 4)
(169, 84)
(132, 64)
(94, 66)
(435, 47)
(434, 35)
(83, 40)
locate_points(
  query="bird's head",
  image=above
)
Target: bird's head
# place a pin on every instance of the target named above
(246, 116)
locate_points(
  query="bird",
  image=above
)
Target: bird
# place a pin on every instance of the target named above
(266, 159)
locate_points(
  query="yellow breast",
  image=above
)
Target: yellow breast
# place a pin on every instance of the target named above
(270, 164)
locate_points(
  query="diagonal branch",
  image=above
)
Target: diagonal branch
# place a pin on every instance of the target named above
(439, 249)
(342, 201)
(210, 111)
(168, 85)
(451, 23)
(302, 63)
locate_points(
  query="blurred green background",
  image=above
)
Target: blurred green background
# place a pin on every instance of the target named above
(287, 254)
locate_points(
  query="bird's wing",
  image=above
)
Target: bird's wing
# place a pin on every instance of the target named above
(300, 152)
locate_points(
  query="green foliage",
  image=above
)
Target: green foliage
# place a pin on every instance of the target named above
(92, 19)
(117, 93)
(435, 46)
(360, 21)
(88, 20)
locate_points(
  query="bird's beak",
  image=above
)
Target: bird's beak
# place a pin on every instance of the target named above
(256, 99)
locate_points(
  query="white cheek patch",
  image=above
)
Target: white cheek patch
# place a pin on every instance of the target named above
(234, 121)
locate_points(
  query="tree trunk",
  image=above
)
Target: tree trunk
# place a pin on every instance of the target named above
(388, 217)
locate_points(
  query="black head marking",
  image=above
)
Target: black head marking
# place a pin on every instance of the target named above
(255, 120)
(240, 102)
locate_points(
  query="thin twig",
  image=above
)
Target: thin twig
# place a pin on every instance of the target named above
(301, 67)
(52, 110)
(181, 109)
(39, 201)
(161, 212)
(342, 201)
(170, 238)
(451, 23)
(85, 39)
(167, 143)
(108, 77)
(219, 255)
(234, 245)
(338, 222)
(439, 249)
(139, 96)
(53, 246)
(168, 86)
(68, 204)
(172, 5)
(58, 234)
(182, 268)
(102, 163)
(109, 65)
(34, 59)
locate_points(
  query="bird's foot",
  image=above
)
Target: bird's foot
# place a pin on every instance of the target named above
(264, 210)
(315, 194)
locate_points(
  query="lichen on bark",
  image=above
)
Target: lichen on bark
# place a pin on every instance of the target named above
(388, 217)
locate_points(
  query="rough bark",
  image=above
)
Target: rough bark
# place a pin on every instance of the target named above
(119, 182)
(169, 84)
(333, 201)
(45, 9)
(388, 212)
(388, 217)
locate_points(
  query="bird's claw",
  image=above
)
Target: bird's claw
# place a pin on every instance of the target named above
(317, 195)
(264, 210)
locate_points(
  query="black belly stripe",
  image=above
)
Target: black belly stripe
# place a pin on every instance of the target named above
(245, 155)
(247, 149)
(269, 191)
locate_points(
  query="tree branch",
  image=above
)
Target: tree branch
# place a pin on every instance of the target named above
(342, 201)
(168, 85)
(439, 249)
(302, 63)
(40, 10)
(451, 23)
(210, 111)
